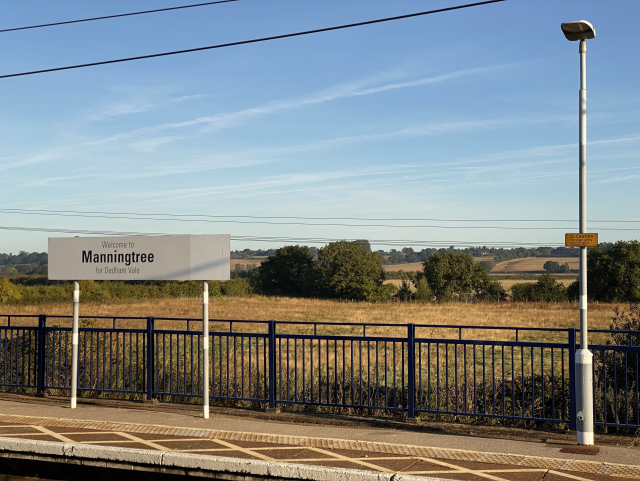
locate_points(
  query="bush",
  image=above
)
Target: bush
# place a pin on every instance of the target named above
(547, 289)
(237, 288)
(423, 292)
(9, 292)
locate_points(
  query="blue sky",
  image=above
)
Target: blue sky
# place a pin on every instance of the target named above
(461, 115)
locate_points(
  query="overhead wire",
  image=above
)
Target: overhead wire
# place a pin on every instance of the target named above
(255, 40)
(281, 239)
(217, 216)
(119, 15)
(160, 217)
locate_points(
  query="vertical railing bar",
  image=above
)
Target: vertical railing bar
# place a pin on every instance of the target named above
(533, 386)
(446, 379)
(437, 376)
(351, 388)
(280, 369)
(542, 387)
(504, 399)
(335, 372)
(378, 375)
(493, 376)
(428, 375)
(386, 370)
(553, 387)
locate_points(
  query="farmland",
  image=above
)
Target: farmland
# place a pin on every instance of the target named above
(533, 264)
(310, 310)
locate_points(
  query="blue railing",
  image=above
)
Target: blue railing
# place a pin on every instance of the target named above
(524, 374)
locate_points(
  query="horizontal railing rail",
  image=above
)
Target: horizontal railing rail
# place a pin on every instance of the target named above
(516, 374)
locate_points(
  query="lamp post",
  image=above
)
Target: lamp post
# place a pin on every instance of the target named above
(582, 31)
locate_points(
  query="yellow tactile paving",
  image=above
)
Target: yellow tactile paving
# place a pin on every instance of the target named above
(378, 457)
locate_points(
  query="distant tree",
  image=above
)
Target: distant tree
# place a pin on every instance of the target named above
(347, 270)
(487, 265)
(423, 292)
(365, 243)
(547, 289)
(287, 272)
(450, 274)
(551, 267)
(614, 274)
(405, 293)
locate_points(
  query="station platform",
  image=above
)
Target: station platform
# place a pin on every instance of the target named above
(174, 442)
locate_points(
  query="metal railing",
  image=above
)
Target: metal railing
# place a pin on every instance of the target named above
(520, 374)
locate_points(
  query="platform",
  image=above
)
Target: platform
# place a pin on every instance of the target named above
(254, 447)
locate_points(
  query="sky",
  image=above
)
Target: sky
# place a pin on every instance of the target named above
(433, 124)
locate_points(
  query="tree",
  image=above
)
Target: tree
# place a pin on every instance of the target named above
(547, 289)
(365, 243)
(347, 270)
(287, 272)
(423, 293)
(450, 274)
(551, 267)
(488, 265)
(614, 274)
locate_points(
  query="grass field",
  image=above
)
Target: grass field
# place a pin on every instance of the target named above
(417, 266)
(533, 264)
(308, 310)
(243, 263)
(509, 283)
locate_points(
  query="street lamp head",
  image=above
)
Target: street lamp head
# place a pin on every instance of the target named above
(580, 30)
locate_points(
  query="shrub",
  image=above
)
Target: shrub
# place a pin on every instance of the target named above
(9, 292)
(547, 289)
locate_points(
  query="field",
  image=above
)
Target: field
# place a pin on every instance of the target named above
(417, 266)
(244, 263)
(533, 264)
(509, 283)
(286, 309)
(409, 267)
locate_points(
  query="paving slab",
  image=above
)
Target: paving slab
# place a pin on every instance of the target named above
(392, 452)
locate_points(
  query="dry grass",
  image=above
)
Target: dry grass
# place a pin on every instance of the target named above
(533, 264)
(315, 310)
(243, 263)
(509, 283)
(408, 267)
(417, 266)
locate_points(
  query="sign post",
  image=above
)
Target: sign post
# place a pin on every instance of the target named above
(181, 257)
(74, 344)
(205, 349)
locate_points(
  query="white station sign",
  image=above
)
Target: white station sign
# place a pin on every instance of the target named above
(171, 257)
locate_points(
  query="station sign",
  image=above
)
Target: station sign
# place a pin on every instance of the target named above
(171, 257)
(581, 240)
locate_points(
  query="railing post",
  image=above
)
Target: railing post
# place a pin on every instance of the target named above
(411, 370)
(42, 320)
(150, 365)
(572, 380)
(272, 364)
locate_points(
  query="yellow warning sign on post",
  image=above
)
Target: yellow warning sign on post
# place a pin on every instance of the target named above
(581, 240)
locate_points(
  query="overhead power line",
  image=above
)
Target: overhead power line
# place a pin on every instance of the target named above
(67, 22)
(255, 220)
(373, 219)
(311, 240)
(255, 40)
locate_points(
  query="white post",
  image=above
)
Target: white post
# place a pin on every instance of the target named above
(74, 344)
(205, 349)
(584, 358)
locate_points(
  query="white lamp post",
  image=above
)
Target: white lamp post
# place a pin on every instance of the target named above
(583, 30)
